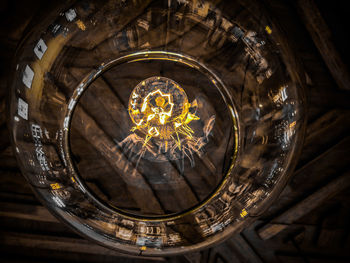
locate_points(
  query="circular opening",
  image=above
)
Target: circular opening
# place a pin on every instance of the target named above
(72, 128)
(159, 136)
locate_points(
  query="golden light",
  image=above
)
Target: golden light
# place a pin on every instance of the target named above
(159, 109)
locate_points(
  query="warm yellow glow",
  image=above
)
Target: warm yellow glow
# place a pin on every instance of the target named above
(153, 132)
(159, 108)
(268, 30)
(243, 213)
(81, 25)
(160, 101)
(55, 186)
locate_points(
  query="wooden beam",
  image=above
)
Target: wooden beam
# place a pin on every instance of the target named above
(314, 200)
(328, 129)
(321, 163)
(63, 244)
(244, 248)
(3, 111)
(26, 211)
(4, 133)
(322, 37)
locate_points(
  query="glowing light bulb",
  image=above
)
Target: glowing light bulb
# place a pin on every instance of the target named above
(161, 114)
(159, 108)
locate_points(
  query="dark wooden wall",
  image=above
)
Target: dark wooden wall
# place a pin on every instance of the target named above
(310, 220)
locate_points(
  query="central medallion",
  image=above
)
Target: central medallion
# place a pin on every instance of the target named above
(159, 108)
(162, 117)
